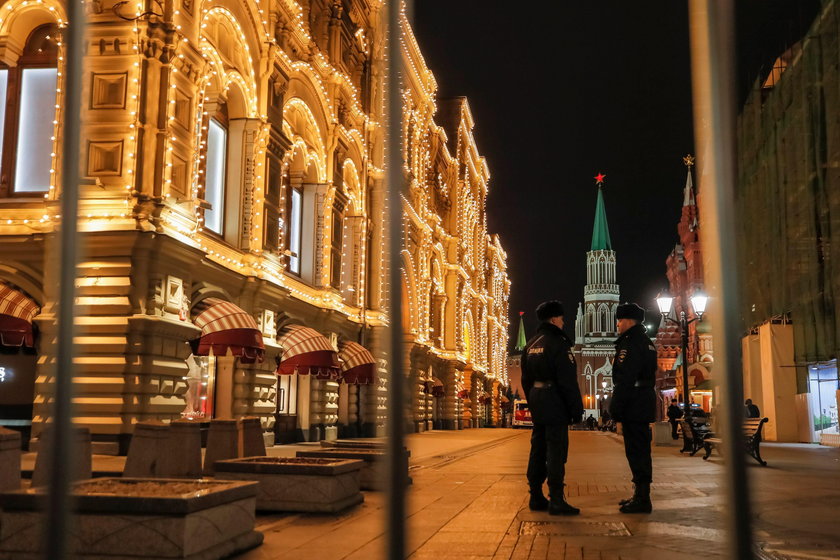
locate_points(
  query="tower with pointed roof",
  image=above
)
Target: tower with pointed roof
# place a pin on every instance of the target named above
(595, 330)
(684, 269)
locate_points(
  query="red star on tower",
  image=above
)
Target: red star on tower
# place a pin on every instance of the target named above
(599, 178)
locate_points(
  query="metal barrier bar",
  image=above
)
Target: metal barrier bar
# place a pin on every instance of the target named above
(58, 510)
(397, 476)
(712, 67)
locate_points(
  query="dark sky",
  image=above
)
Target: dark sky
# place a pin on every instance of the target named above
(563, 90)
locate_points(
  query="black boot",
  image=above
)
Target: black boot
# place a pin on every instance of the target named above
(559, 506)
(538, 502)
(630, 499)
(640, 502)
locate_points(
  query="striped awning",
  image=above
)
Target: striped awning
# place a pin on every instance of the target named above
(225, 328)
(357, 363)
(307, 352)
(484, 397)
(16, 314)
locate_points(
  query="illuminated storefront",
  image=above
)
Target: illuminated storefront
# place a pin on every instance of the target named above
(232, 152)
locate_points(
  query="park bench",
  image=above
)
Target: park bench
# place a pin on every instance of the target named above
(694, 438)
(752, 428)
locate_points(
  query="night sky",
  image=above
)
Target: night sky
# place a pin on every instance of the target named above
(561, 91)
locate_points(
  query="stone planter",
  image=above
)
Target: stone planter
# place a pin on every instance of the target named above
(297, 483)
(373, 475)
(138, 518)
(359, 444)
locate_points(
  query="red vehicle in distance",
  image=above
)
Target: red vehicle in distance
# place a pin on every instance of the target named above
(521, 414)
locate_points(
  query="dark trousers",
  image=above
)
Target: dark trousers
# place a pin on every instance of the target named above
(637, 448)
(549, 450)
(674, 424)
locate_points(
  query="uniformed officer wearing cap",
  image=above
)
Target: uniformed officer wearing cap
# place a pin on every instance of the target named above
(549, 378)
(634, 400)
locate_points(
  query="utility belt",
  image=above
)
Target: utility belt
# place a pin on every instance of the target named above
(543, 384)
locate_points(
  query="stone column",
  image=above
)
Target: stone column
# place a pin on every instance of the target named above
(451, 406)
(330, 410)
(374, 396)
(255, 392)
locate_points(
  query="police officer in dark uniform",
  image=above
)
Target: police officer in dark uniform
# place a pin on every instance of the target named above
(549, 378)
(634, 400)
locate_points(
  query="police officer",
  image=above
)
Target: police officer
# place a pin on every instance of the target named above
(634, 400)
(549, 378)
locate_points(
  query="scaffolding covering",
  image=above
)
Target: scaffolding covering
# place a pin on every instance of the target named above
(788, 193)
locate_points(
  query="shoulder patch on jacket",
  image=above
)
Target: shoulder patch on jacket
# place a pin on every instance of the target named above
(621, 355)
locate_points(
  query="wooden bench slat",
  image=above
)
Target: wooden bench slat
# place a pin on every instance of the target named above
(751, 429)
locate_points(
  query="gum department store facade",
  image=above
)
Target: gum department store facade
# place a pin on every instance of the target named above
(231, 211)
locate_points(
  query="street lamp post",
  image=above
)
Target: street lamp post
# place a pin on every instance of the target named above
(698, 304)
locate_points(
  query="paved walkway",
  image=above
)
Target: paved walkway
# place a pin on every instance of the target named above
(469, 500)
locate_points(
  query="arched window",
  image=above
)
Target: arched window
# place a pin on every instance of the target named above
(215, 170)
(27, 115)
(603, 318)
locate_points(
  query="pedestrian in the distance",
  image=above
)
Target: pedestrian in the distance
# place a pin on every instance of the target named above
(549, 378)
(634, 400)
(751, 410)
(674, 415)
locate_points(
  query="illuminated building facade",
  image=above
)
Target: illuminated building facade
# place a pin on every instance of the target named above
(455, 283)
(233, 192)
(684, 269)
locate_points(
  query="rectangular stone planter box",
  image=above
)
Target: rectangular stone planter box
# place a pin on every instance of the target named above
(373, 474)
(298, 483)
(358, 444)
(123, 518)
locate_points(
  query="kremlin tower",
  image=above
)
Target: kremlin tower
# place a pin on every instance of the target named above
(595, 330)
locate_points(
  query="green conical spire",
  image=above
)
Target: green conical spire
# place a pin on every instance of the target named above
(520, 338)
(600, 231)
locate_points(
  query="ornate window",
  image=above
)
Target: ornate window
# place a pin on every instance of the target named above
(294, 220)
(273, 225)
(27, 115)
(215, 170)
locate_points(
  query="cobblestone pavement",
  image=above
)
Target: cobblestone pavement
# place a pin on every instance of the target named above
(469, 500)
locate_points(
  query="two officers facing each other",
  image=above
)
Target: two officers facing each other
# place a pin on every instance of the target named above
(634, 400)
(549, 379)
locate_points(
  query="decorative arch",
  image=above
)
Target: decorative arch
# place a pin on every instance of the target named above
(204, 290)
(353, 187)
(302, 127)
(25, 278)
(19, 17)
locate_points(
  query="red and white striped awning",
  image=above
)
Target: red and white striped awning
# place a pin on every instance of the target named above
(225, 328)
(357, 363)
(307, 352)
(16, 314)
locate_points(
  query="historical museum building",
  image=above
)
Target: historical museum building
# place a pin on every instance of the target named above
(231, 219)
(595, 330)
(684, 270)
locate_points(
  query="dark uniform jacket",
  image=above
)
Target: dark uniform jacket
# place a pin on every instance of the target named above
(548, 358)
(674, 412)
(634, 375)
